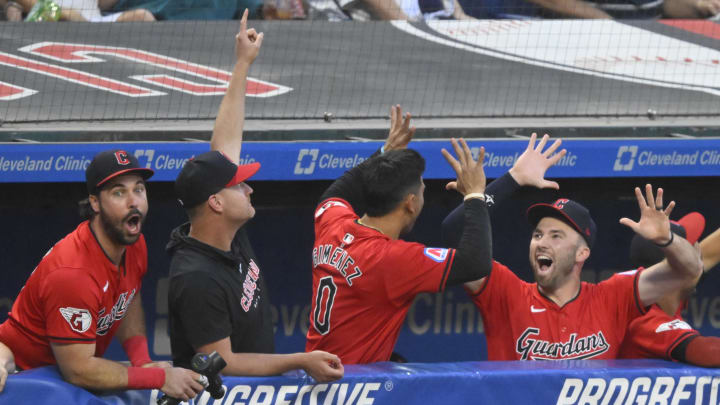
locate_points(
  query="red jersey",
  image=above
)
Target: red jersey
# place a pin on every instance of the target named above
(655, 335)
(75, 295)
(364, 284)
(522, 324)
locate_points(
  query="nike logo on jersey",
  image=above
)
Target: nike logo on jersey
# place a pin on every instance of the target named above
(536, 310)
(107, 284)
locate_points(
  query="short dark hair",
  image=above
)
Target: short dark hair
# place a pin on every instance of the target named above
(389, 178)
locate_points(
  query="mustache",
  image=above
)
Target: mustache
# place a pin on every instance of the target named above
(132, 213)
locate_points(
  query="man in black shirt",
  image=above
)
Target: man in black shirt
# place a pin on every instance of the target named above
(218, 300)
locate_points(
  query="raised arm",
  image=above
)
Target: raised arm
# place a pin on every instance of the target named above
(350, 186)
(228, 131)
(710, 250)
(529, 170)
(473, 256)
(682, 265)
(322, 366)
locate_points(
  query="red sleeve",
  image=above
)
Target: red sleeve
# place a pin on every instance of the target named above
(655, 335)
(621, 292)
(331, 210)
(413, 268)
(500, 284)
(70, 301)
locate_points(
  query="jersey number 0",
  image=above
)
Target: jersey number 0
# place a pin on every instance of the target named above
(323, 304)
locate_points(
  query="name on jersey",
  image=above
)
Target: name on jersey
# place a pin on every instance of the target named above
(250, 285)
(531, 348)
(118, 311)
(337, 258)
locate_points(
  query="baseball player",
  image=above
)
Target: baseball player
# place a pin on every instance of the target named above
(217, 298)
(364, 277)
(87, 289)
(558, 317)
(662, 332)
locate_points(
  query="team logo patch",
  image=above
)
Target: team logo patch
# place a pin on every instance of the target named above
(348, 239)
(437, 254)
(327, 205)
(673, 325)
(79, 319)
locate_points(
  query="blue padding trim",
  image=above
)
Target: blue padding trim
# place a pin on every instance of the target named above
(328, 160)
(433, 383)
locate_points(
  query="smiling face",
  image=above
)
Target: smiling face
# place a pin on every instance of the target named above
(121, 206)
(555, 249)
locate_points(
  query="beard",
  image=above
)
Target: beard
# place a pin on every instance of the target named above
(115, 230)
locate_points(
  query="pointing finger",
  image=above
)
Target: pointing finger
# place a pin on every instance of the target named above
(243, 21)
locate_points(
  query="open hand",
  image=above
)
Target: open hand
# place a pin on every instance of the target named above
(401, 133)
(530, 167)
(654, 224)
(470, 172)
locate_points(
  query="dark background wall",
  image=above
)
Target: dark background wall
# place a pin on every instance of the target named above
(441, 327)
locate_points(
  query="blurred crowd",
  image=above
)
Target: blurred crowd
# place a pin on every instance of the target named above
(342, 10)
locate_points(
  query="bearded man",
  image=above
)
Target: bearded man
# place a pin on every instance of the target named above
(87, 289)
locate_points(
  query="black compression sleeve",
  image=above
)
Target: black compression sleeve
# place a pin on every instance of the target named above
(498, 191)
(678, 353)
(473, 258)
(350, 187)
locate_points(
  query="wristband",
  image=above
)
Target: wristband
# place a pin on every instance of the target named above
(480, 196)
(382, 149)
(145, 378)
(136, 348)
(666, 244)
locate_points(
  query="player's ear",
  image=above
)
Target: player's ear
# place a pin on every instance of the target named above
(215, 202)
(94, 203)
(582, 253)
(410, 203)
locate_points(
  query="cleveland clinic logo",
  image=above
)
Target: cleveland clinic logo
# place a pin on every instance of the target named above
(306, 161)
(625, 158)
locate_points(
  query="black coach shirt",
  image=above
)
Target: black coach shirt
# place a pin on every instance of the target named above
(215, 294)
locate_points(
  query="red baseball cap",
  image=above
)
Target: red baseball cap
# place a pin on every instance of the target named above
(694, 224)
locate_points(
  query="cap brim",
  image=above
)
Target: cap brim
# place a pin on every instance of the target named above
(144, 172)
(694, 224)
(243, 173)
(536, 212)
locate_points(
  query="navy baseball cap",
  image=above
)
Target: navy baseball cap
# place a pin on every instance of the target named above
(568, 211)
(110, 164)
(208, 173)
(644, 253)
